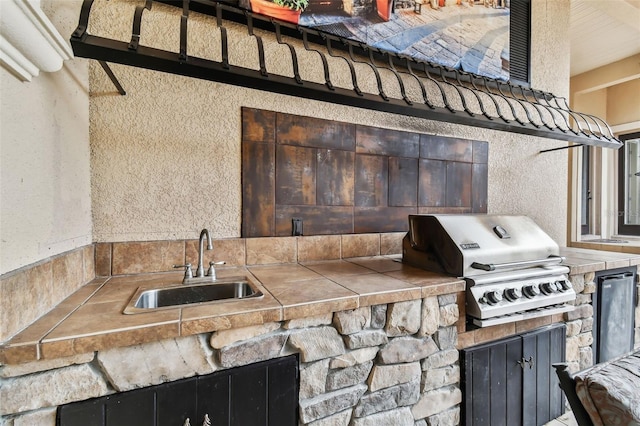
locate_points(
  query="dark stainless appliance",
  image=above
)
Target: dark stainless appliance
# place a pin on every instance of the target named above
(614, 305)
(511, 266)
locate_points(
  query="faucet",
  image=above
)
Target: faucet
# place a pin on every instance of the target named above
(204, 233)
(200, 274)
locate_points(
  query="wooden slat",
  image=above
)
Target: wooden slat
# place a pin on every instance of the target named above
(258, 191)
(295, 175)
(458, 184)
(382, 219)
(480, 152)
(371, 181)
(258, 125)
(479, 187)
(394, 143)
(335, 178)
(315, 132)
(403, 182)
(432, 184)
(443, 148)
(316, 220)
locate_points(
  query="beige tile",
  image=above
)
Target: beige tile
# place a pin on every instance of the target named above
(283, 273)
(419, 276)
(376, 289)
(68, 274)
(530, 324)
(311, 297)
(336, 268)
(378, 263)
(152, 256)
(319, 247)
(233, 312)
(438, 289)
(43, 325)
(391, 243)
(17, 354)
(264, 251)
(103, 253)
(88, 260)
(52, 348)
(495, 332)
(201, 320)
(27, 294)
(89, 320)
(360, 245)
(466, 340)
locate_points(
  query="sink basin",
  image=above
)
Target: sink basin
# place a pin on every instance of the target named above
(228, 289)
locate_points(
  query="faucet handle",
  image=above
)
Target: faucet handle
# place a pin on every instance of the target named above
(188, 273)
(211, 272)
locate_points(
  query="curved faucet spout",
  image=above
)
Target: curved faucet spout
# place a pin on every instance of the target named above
(203, 234)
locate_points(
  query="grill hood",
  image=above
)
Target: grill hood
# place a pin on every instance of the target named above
(468, 245)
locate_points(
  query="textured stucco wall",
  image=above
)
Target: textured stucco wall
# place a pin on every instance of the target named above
(165, 158)
(45, 197)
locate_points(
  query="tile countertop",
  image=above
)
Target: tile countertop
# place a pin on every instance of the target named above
(91, 319)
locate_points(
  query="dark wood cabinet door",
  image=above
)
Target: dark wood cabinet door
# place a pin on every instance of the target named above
(510, 381)
(491, 376)
(541, 390)
(260, 394)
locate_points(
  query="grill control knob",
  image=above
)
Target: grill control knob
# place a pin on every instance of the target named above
(548, 288)
(493, 297)
(531, 290)
(563, 285)
(512, 294)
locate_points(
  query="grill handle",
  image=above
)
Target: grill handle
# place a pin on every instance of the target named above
(551, 260)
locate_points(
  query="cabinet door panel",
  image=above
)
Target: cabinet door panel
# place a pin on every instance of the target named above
(176, 402)
(130, 408)
(283, 393)
(249, 397)
(514, 382)
(213, 398)
(542, 394)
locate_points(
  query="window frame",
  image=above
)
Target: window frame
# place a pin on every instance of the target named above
(622, 228)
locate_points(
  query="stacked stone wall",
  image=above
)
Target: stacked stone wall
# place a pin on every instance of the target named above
(384, 364)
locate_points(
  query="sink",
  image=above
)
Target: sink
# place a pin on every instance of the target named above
(179, 295)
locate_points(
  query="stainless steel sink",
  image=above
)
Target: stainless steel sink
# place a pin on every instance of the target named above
(228, 289)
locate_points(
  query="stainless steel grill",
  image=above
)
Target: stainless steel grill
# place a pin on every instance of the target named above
(511, 266)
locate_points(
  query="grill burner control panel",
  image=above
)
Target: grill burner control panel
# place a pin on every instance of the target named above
(517, 296)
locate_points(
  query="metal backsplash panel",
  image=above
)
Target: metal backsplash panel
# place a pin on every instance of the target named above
(341, 178)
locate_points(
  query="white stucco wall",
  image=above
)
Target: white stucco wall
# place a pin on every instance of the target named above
(166, 157)
(45, 198)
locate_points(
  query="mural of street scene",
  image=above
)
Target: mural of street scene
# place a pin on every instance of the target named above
(470, 35)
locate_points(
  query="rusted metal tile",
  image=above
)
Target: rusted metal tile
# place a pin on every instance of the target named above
(403, 182)
(432, 184)
(295, 175)
(372, 180)
(335, 177)
(316, 220)
(443, 148)
(258, 194)
(444, 210)
(458, 184)
(479, 184)
(258, 125)
(480, 152)
(382, 219)
(394, 143)
(315, 132)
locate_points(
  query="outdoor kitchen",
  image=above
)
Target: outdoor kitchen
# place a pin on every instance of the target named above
(255, 254)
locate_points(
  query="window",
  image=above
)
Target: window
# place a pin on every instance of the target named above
(629, 185)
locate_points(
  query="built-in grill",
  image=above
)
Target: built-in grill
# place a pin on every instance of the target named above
(512, 267)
